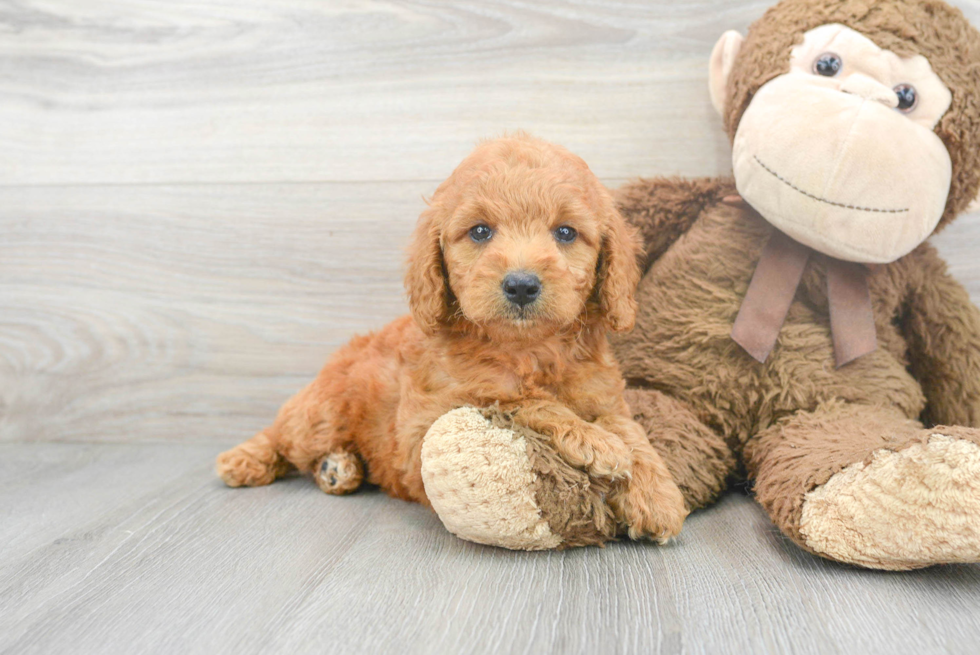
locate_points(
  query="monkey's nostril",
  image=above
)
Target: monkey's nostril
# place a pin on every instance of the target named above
(521, 288)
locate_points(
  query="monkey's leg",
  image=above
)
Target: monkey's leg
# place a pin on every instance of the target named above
(867, 486)
(698, 458)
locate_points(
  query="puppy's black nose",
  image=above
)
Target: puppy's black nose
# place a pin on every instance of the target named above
(521, 288)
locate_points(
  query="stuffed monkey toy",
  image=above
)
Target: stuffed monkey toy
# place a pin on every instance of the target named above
(794, 325)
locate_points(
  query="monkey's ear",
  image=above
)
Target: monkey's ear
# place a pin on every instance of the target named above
(722, 60)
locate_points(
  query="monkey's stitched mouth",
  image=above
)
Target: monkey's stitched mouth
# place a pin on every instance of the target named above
(824, 200)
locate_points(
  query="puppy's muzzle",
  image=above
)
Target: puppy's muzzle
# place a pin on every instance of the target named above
(521, 288)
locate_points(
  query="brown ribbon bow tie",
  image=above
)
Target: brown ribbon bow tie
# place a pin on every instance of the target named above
(773, 287)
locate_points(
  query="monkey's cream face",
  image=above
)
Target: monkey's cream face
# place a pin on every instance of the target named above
(840, 154)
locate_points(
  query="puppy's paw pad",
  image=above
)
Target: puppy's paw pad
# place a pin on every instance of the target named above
(339, 473)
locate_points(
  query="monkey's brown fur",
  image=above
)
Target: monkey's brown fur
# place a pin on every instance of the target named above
(795, 420)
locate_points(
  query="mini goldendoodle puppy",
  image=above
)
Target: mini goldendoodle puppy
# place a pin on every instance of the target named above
(517, 269)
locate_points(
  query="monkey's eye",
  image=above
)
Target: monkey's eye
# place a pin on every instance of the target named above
(907, 97)
(828, 64)
(480, 233)
(565, 234)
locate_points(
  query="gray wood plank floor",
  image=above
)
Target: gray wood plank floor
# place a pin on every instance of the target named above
(201, 199)
(136, 548)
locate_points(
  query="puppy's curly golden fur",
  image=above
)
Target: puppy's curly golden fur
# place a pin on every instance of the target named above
(515, 205)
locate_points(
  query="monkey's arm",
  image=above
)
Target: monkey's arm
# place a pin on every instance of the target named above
(942, 326)
(664, 208)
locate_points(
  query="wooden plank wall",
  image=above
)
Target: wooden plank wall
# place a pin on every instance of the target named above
(200, 199)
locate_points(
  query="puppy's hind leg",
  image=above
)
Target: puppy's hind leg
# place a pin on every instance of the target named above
(311, 433)
(251, 464)
(318, 441)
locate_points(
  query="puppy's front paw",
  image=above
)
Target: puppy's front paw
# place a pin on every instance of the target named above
(599, 452)
(653, 509)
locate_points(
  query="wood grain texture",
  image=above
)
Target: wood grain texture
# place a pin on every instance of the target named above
(192, 312)
(187, 312)
(298, 90)
(201, 199)
(164, 91)
(145, 552)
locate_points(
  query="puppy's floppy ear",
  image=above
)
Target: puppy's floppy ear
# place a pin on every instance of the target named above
(618, 271)
(425, 279)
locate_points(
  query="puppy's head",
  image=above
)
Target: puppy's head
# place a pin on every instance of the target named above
(522, 240)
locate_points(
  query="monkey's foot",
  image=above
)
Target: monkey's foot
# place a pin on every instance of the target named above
(901, 510)
(498, 483)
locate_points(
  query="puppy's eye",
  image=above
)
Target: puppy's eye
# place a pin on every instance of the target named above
(565, 234)
(480, 233)
(828, 64)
